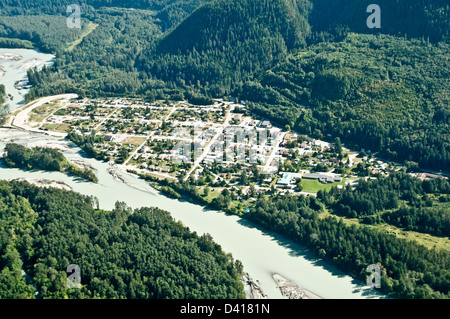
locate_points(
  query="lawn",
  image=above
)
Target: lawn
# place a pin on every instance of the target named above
(62, 128)
(135, 141)
(88, 30)
(50, 127)
(41, 112)
(213, 193)
(313, 186)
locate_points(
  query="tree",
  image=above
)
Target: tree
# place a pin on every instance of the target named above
(244, 178)
(131, 273)
(338, 146)
(298, 182)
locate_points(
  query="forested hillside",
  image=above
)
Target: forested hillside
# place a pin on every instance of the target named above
(171, 11)
(44, 30)
(121, 253)
(428, 19)
(381, 93)
(409, 269)
(225, 42)
(104, 62)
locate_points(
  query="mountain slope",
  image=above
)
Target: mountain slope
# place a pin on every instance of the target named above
(228, 22)
(418, 18)
(381, 93)
(228, 41)
(171, 11)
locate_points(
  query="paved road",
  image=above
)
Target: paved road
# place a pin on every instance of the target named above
(211, 143)
(275, 152)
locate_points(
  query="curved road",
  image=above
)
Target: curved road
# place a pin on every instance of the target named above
(20, 119)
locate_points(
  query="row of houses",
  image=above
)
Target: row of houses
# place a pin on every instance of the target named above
(323, 178)
(290, 178)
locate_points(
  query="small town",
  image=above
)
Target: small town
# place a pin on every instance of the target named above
(224, 150)
(214, 147)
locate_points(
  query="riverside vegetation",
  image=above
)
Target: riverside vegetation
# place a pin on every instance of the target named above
(409, 269)
(44, 158)
(123, 253)
(299, 64)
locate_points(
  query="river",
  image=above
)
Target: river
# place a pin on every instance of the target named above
(262, 253)
(14, 63)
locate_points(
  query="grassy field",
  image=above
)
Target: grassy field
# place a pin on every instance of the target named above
(50, 127)
(213, 193)
(57, 127)
(313, 186)
(135, 141)
(90, 27)
(41, 112)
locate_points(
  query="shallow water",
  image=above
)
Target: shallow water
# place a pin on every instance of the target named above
(17, 71)
(262, 253)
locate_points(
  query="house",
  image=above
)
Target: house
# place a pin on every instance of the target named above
(323, 178)
(288, 178)
(109, 138)
(237, 117)
(266, 124)
(144, 165)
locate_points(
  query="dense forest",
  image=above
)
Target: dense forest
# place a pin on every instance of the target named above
(311, 64)
(44, 158)
(15, 43)
(399, 199)
(121, 253)
(44, 30)
(225, 42)
(169, 11)
(409, 270)
(381, 93)
(420, 18)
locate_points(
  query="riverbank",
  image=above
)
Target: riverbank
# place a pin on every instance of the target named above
(21, 119)
(252, 288)
(291, 290)
(10, 57)
(83, 165)
(15, 63)
(44, 183)
(262, 253)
